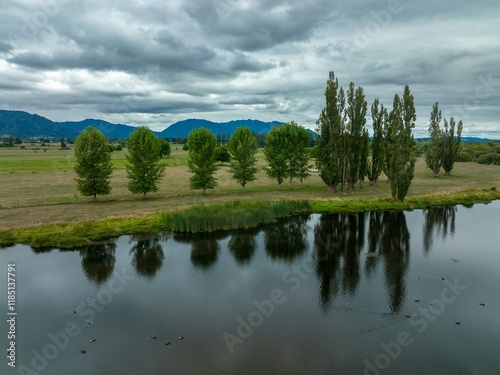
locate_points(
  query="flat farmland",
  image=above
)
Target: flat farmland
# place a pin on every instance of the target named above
(37, 185)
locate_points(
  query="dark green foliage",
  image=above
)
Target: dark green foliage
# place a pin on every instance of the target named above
(261, 139)
(356, 115)
(93, 163)
(222, 154)
(243, 147)
(165, 148)
(185, 147)
(476, 149)
(286, 152)
(340, 144)
(375, 165)
(464, 156)
(399, 144)
(330, 153)
(8, 141)
(202, 161)
(144, 170)
(492, 159)
(451, 144)
(434, 154)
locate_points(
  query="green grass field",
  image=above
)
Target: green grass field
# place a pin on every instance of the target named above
(37, 186)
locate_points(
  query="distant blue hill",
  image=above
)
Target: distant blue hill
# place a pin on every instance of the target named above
(182, 128)
(25, 125)
(110, 130)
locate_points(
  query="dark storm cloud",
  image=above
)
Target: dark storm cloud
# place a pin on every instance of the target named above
(258, 25)
(228, 59)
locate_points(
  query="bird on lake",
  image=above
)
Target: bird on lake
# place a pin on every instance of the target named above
(167, 343)
(181, 337)
(83, 351)
(92, 340)
(153, 337)
(482, 304)
(90, 322)
(457, 322)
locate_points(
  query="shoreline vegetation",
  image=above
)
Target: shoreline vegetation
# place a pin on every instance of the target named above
(234, 214)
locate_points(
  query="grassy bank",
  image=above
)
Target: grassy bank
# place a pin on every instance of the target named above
(220, 216)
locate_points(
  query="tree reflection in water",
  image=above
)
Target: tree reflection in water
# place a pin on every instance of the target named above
(147, 255)
(441, 220)
(395, 248)
(98, 262)
(286, 240)
(242, 245)
(204, 247)
(339, 239)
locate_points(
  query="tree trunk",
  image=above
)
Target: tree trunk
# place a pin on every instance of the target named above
(447, 173)
(435, 174)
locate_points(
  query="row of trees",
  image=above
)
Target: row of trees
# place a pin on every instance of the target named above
(444, 147)
(341, 152)
(342, 146)
(94, 168)
(286, 154)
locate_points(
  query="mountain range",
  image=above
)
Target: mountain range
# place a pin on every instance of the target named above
(25, 125)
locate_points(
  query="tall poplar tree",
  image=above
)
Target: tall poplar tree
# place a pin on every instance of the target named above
(400, 144)
(93, 163)
(144, 170)
(435, 154)
(329, 152)
(356, 114)
(451, 144)
(379, 116)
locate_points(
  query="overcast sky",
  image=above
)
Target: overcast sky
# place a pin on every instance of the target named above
(148, 62)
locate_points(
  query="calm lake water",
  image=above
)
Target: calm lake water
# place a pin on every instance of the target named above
(376, 293)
